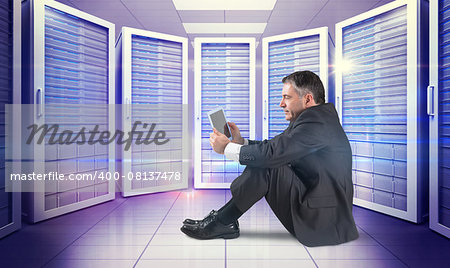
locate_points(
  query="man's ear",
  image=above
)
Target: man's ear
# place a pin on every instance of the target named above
(309, 99)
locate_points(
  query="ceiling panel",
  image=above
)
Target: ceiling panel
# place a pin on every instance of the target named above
(97, 4)
(224, 35)
(300, 21)
(158, 20)
(167, 28)
(295, 12)
(382, 2)
(68, 2)
(335, 11)
(282, 28)
(247, 15)
(299, 5)
(338, 10)
(287, 15)
(119, 24)
(192, 36)
(224, 27)
(169, 16)
(149, 4)
(201, 16)
(256, 36)
(224, 4)
(245, 19)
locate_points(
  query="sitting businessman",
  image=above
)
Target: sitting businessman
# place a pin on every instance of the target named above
(305, 173)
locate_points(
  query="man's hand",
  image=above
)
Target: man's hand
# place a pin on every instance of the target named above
(218, 141)
(236, 133)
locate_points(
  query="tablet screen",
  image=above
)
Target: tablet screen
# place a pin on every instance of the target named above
(218, 121)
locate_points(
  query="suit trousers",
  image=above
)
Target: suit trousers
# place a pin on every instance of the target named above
(277, 185)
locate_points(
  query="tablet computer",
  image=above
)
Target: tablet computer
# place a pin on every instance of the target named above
(219, 122)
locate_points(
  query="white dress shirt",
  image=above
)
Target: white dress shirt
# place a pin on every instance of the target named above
(232, 150)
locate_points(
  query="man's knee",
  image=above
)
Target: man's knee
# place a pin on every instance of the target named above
(251, 178)
(249, 187)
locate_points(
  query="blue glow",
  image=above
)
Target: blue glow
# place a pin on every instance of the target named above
(61, 40)
(48, 57)
(58, 97)
(61, 31)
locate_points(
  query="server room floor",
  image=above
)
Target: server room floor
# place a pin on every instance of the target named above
(143, 231)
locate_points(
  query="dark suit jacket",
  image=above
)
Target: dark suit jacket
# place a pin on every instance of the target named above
(317, 149)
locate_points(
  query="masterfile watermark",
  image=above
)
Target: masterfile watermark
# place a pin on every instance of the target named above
(69, 147)
(97, 176)
(67, 137)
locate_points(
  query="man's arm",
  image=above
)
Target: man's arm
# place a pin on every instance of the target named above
(252, 142)
(233, 149)
(307, 137)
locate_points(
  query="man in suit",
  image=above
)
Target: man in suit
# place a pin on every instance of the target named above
(305, 173)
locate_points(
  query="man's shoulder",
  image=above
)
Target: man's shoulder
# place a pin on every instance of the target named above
(322, 112)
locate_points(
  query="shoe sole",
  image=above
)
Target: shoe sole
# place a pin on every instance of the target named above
(195, 222)
(224, 236)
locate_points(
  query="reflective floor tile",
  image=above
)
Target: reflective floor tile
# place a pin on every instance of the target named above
(123, 229)
(270, 263)
(90, 263)
(406, 228)
(183, 240)
(118, 233)
(22, 263)
(412, 252)
(131, 221)
(173, 228)
(264, 237)
(38, 239)
(114, 240)
(363, 240)
(427, 263)
(137, 214)
(423, 239)
(360, 263)
(101, 253)
(183, 252)
(267, 252)
(56, 229)
(29, 252)
(181, 263)
(341, 252)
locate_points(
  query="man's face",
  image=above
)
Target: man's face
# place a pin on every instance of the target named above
(291, 102)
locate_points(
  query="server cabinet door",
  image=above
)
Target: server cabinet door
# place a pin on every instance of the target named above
(224, 77)
(439, 112)
(378, 94)
(10, 34)
(282, 55)
(154, 98)
(73, 86)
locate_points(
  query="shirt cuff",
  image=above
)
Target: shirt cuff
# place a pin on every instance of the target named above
(232, 151)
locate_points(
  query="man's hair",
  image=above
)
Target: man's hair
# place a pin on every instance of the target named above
(307, 82)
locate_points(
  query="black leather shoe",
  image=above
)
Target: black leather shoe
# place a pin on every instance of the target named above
(210, 228)
(195, 222)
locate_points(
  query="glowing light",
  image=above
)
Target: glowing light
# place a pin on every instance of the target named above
(345, 65)
(224, 4)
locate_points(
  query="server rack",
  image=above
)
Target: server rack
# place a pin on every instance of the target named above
(153, 82)
(10, 202)
(283, 55)
(380, 98)
(69, 78)
(225, 77)
(439, 112)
